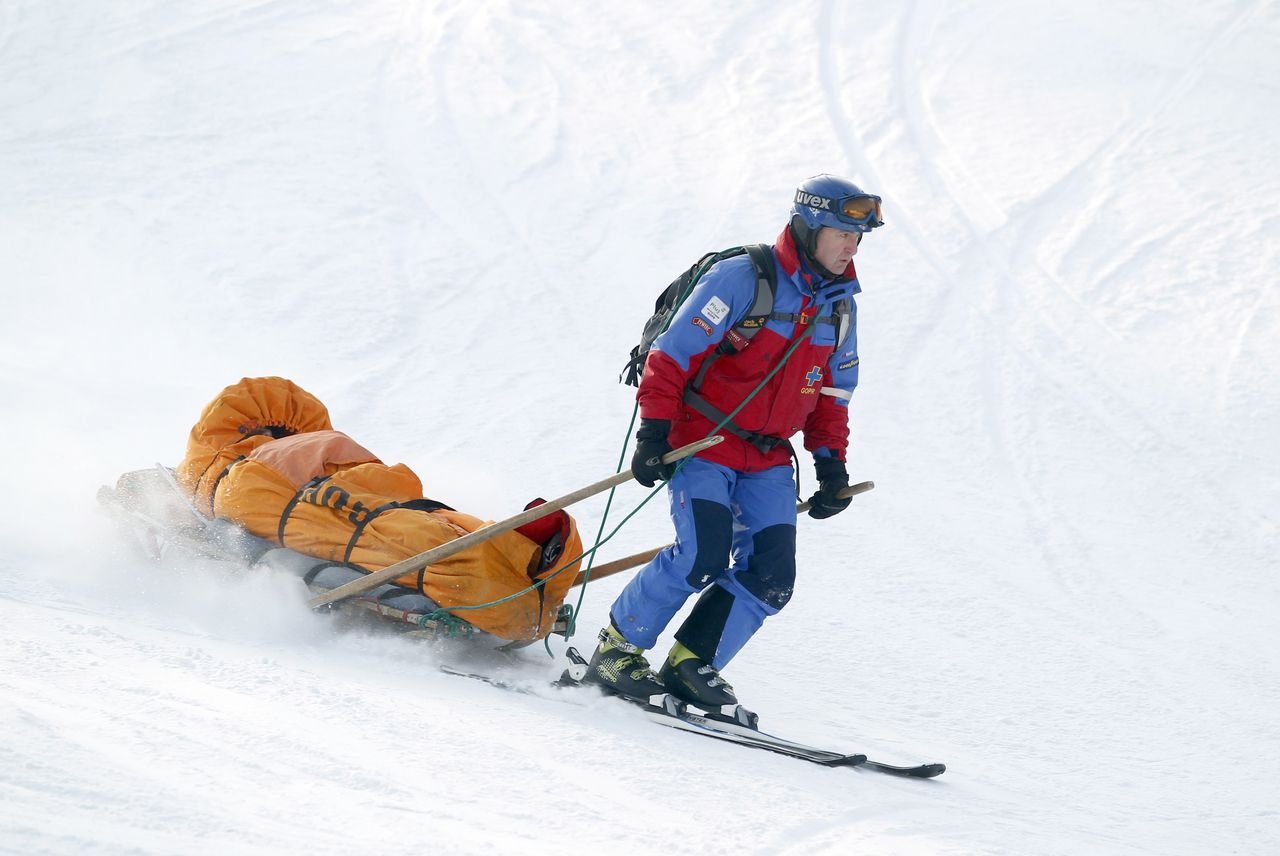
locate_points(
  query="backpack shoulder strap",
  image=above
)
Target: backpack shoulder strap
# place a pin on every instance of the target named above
(843, 314)
(739, 336)
(766, 282)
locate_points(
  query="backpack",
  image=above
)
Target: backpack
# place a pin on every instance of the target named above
(739, 336)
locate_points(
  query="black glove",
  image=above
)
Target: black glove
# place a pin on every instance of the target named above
(832, 478)
(651, 445)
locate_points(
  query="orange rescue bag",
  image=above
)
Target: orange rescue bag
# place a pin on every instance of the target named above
(265, 457)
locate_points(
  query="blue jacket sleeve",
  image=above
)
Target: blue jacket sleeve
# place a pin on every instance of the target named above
(721, 299)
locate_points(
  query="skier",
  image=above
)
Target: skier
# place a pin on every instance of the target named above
(734, 505)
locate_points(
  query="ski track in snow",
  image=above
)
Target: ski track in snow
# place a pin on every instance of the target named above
(447, 220)
(1019, 271)
(933, 152)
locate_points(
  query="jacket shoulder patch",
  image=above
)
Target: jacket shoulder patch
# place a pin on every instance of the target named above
(715, 310)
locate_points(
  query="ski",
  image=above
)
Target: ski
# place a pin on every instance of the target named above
(727, 725)
(738, 727)
(742, 726)
(674, 714)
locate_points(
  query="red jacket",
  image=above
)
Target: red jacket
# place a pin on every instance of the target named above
(810, 393)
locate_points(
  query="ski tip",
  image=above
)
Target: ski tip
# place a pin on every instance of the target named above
(923, 771)
(920, 771)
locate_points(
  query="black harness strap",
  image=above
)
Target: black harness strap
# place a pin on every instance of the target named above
(361, 523)
(314, 571)
(804, 319)
(426, 505)
(288, 509)
(764, 442)
(363, 520)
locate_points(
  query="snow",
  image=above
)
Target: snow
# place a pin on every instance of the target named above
(448, 221)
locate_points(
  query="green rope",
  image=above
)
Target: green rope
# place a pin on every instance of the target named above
(572, 622)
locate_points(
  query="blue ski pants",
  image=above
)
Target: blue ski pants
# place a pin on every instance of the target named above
(735, 542)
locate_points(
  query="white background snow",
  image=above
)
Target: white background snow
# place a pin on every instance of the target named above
(449, 219)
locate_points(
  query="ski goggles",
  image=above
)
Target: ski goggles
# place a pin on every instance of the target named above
(861, 210)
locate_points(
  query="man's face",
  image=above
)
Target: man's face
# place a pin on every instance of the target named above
(836, 248)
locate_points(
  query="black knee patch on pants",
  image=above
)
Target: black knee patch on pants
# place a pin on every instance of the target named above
(770, 574)
(713, 528)
(702, 630)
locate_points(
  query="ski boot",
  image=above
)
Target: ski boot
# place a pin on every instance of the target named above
(696, 681)
(620, 667)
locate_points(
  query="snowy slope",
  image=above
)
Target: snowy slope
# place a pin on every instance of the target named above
(448, 219)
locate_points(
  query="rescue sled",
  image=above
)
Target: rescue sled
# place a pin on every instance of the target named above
(267, 481)
(159, 517)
